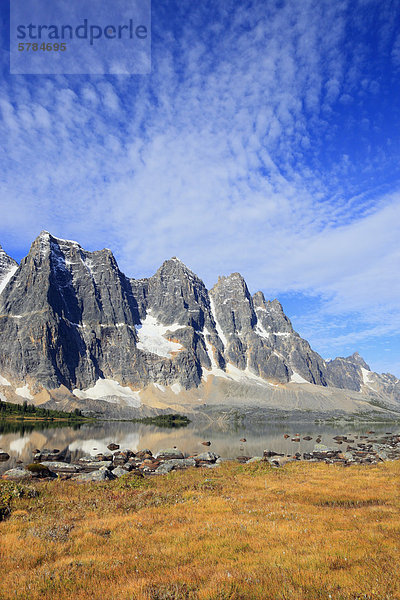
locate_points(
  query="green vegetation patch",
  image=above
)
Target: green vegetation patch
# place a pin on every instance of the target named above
(30, 411)
(10, 491)
(168, 421)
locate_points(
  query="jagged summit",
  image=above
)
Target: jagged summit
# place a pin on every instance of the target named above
(46, 235)
(358, 360)
(70, 318)
(174, 266)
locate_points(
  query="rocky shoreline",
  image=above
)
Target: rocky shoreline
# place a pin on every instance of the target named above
(51, 464)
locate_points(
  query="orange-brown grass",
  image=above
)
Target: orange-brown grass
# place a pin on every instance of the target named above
(307, 531)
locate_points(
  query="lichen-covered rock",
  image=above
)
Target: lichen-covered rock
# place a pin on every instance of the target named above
(17, 474)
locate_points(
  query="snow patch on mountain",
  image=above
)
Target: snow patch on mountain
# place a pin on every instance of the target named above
(159, 387)
(176, 388)
(259, 329)
(217, 325)
(296, 378)
(6, 278)
(235, 374)
(110, 391)
(366, 375)
(24, 392)
(209, 349)
(151, 337)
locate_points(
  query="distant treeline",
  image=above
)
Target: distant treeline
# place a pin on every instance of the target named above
(30, 410)
(168, 421)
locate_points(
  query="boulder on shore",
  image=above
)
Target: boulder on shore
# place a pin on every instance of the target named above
(169, 454)
(102, 474)
(17, 474)
(179, 463)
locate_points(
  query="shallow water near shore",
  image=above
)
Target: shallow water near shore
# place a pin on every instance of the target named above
(94, 438)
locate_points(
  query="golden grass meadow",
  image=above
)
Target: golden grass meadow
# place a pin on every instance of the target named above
(306, 531)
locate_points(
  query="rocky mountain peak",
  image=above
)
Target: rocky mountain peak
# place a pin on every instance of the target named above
(356, 359)
(233, 305)
(175, 268)
(259, 300)
(271, 315)
(176, 295)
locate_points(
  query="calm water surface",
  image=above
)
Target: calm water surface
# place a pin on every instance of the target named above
(94, 438)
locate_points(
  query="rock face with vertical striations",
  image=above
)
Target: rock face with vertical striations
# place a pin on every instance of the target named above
(72, 324)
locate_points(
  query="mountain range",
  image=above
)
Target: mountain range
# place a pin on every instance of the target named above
(75, 332)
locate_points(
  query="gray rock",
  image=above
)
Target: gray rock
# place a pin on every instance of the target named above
(100, 475)
(207, 457)
(169, 465)
(169, 453)
(119, 472)
(17, 475)
(322, 448)
(270, 453)
(49, 455)
(282, 460)
(113, 446)
(104, 457)
(255, 459)
(61, 467)
(164, 468)
(348, 457)
(98, 464)
(128, 466)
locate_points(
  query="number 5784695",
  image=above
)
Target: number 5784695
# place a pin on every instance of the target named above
(49, 47)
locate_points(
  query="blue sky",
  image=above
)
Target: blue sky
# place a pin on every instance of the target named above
(265, 141)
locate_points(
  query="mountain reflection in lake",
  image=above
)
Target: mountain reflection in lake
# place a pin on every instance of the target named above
(94, 438)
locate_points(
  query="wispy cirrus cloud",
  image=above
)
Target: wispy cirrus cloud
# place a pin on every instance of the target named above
(264, 141)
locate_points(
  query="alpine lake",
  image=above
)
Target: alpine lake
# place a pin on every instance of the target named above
(21, 439)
